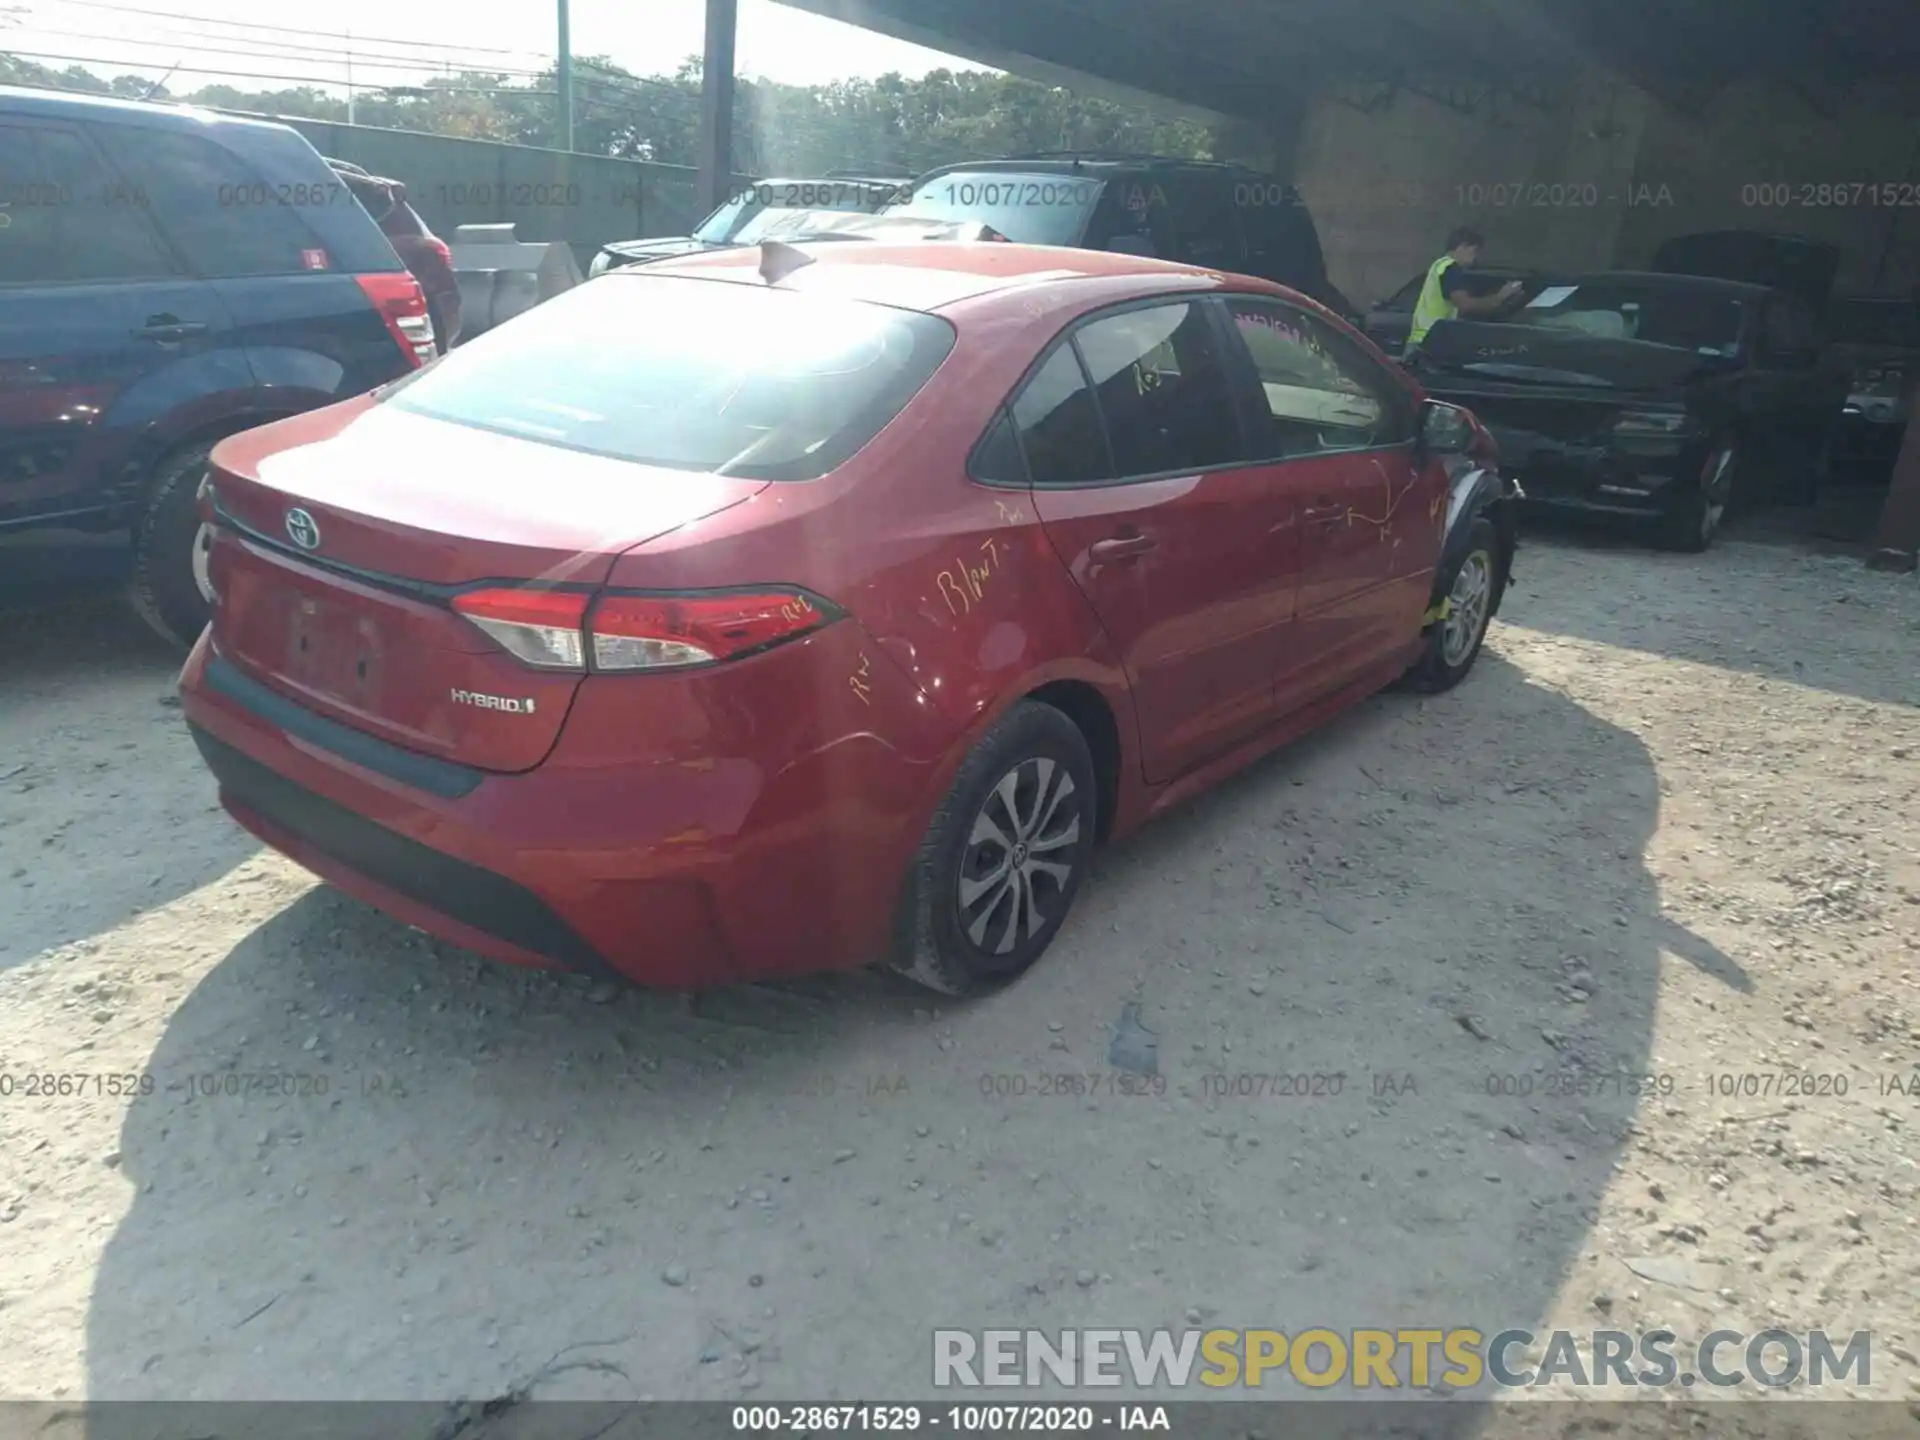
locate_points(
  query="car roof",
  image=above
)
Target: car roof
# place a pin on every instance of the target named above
(934, 275)
(68, 105)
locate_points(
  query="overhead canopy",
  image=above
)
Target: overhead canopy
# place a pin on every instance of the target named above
(1252, 59)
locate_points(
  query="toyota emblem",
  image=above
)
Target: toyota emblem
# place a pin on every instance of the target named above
(302, 530)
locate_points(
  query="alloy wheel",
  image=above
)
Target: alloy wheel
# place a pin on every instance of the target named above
(1019, 856)
(1467, 605)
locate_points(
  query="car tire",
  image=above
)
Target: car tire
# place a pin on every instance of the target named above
(166, 584)
(1003, 856)
(1694, 524)
(1472, 589)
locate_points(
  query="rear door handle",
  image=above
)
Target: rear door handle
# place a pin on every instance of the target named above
(1121, 547)
(168, 327)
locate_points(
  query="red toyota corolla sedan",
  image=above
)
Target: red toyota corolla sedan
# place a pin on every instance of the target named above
(806, 607)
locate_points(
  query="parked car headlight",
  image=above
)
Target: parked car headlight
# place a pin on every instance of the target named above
(1650, 422)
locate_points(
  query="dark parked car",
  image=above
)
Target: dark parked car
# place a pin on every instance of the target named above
(1666, 397)
(841, 637)
(740, 220)
(1877, 339)
(1390, 321)
(424, 253)
(1220, 217)
(168, 277)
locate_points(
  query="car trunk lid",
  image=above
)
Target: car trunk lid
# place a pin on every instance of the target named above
(1794, 263)
(338, 560)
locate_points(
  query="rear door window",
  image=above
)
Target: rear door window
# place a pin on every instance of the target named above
(699, 375)
(68, 215)
(1162, 389)
(224, 217)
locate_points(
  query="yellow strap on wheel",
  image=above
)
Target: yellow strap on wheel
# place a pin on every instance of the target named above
(1439, 611)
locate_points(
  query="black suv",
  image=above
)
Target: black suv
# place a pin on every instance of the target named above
(167, 277)
(1225, 217)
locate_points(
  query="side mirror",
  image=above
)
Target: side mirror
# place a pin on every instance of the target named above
(1445, 429)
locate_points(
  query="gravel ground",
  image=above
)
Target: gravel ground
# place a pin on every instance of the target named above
(1669, 829)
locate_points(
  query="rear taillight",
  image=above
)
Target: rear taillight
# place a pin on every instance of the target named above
(540, 627)
(403, 305)
(567, 630)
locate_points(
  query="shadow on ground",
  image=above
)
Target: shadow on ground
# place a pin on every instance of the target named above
(105, 808)
(1377, 1103)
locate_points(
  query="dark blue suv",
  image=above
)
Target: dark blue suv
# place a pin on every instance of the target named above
(168, 277)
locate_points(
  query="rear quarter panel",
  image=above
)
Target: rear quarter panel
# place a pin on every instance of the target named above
(311, 339)
(955, 581)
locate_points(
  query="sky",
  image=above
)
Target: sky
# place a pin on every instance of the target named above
(401, 41)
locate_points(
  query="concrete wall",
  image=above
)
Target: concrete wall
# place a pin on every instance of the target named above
(1758, 157)
(1608, 174)
(586, 200)
(1548, 188)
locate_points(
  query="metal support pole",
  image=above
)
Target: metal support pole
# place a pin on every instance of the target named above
(565, 78)
(716, 104)
(1896, 545)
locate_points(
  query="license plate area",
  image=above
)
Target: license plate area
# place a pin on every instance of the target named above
(336, 652)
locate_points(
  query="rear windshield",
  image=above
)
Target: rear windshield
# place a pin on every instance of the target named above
(1034, 209)
(700, 375)
(735, 221)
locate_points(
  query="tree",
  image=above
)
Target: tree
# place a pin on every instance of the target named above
(887, 125)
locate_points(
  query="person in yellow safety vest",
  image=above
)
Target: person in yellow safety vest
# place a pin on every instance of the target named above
(1446, 295)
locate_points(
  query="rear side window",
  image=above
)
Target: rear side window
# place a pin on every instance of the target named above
(223, 216)
(997, 459)
(1162, 389)
(1059, 427)
(699, 375)
(68, 217)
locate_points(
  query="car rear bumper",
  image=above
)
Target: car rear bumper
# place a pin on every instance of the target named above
(716, 876)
